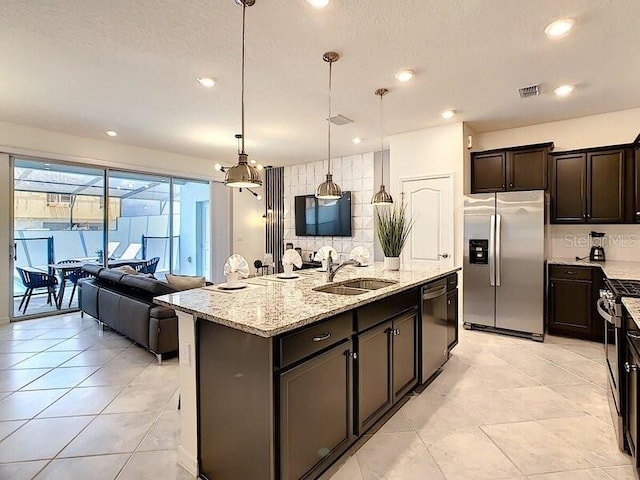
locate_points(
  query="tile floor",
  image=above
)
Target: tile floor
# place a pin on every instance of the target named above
(76, 402)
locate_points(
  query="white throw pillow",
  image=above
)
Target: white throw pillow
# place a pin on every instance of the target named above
(128, 269)
(185, 282)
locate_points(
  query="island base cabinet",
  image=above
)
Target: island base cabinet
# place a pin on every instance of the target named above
(316, 420)
(404, 359)
(630, 370)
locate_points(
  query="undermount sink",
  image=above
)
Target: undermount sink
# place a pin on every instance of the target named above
(354, 287)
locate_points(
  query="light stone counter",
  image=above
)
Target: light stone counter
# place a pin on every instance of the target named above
(633, 307)
(271, 306)
(614, 269)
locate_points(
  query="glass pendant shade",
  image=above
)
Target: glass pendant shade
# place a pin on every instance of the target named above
(243, 175)
(381, 197)
(328, 190)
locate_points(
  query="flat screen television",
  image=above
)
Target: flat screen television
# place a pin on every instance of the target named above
(323, 218)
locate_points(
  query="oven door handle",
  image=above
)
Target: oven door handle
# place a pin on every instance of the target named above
(606, 315)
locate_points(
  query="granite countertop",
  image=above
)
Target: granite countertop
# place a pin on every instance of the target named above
(271, 306)
(614, 269)
(633, 307)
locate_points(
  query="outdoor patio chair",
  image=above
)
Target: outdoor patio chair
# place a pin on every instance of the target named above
(74, 276)
(150, 266)
(33, 280)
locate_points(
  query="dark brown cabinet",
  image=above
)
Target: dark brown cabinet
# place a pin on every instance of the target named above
(573, 293)
(588, 186)
(452, 319)
(315, 412)
(635, 201)
(510, 169)
(386, 367)
(630, 380)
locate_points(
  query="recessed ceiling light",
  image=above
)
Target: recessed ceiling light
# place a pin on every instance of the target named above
(111, 133)
(217, 167)
(447, 114)
(318, 3)
(259, 166)
(405, 75)
(559, 28)
(206, 81)
(357, 140)
(253, 161)
(563, 90)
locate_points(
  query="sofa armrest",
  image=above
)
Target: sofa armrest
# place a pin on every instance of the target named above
(162, 312)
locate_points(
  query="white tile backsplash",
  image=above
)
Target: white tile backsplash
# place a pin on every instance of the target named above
(354, 173)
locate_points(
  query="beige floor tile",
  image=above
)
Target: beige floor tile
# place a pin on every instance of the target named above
(82, 401)
(459, 454)
(589, 397)
(494, 377)
(541, 402)
(90, 358)
(113, 342)
(141, 398)
(155, 374)
(594, 439)
(113, 375)
(41, 439)
(591, 474)
(61, 333)
(7, 428)
(587, 349)
(154, 465)
(554, 353)
(46, 360)
(538, 368)
(74, 344)
(164, 434)
(397, 456)
(24, 334)
(397, 423)
(489, 407)
(9, 359)
(350, 470)
(21, 471)
(7, 346)
(12, 380)
(25, 405)
(535, 449)
(102, 467)
(61, 378)
(620, 473)
(35, 345)
(135, 355)
(593, 372)
(117, 433)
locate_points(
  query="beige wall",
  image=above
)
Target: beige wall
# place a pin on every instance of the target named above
(433, 151)
(248, 226)
(5, 238)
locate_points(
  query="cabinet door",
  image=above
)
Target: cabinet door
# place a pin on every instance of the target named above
(488, 172)
(452, 319)
(570, 307)
(373, 375)
(636, 198)
(568, 183)
(405, 364)
(527, 169)
(605, 186)
(315, 412)
(631, 414)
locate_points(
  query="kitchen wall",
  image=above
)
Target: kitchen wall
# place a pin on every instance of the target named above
(622, 241)
(433, 151)
(248, 226)
(354, 173)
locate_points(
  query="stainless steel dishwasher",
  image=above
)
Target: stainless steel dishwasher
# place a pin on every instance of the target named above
(433, 337)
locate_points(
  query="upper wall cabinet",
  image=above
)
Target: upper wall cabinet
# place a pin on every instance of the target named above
(635, 197)
(510, 169)
(589, 186)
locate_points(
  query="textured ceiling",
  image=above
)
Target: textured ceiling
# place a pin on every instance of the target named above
(84, 66)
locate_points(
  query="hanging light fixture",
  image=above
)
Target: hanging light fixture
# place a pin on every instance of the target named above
(381, 197)
(328, 190)
(243, 175)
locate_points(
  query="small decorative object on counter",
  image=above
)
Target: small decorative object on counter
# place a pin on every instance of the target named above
(290, 259)
(393, 227)
(323, 254)
(235, 268)
(360, 255)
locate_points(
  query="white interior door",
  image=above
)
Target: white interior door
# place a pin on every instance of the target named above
(429, 202)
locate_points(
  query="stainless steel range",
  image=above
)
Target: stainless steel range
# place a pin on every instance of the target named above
(610, 309)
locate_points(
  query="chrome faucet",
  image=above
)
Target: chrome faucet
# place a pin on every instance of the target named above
(331, 272)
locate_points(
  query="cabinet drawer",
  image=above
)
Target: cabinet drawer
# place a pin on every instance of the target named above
(566, 272)
(452, 282)
(316, 337)
(374, 313)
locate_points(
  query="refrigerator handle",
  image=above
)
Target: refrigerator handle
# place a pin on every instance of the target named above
(492, 251)
(498, 253)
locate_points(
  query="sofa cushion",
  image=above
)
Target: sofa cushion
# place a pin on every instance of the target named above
(94, 270)
(162, 312)
(185, 282)
(148, 286)
(110, 275)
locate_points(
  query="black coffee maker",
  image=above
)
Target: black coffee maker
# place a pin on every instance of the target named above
(597, 251)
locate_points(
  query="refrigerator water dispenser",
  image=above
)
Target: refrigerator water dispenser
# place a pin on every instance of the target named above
(479, 252)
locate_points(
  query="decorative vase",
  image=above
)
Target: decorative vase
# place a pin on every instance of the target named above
(392, 263)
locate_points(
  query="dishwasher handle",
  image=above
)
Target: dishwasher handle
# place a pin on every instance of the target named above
(434, 293)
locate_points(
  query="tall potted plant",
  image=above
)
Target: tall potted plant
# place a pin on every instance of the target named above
(393, 226)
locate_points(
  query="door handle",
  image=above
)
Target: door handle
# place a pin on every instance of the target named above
(492, 251)
(443, 255)
(629, 367)
(498, 248)
(15, 251)
(322, 337)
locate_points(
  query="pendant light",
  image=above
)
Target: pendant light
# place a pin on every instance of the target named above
(328, 190)
(381, 197)
(243, 175)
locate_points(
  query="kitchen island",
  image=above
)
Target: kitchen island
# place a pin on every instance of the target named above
(279, 379)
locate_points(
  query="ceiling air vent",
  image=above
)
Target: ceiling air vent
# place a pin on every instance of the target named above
(530, 91)
(340, 120)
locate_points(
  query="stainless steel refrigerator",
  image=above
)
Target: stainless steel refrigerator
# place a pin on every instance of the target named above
(504, 255)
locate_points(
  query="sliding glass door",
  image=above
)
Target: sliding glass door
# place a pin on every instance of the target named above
(66, 216)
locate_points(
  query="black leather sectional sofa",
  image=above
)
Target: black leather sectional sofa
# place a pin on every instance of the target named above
(125, 303)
